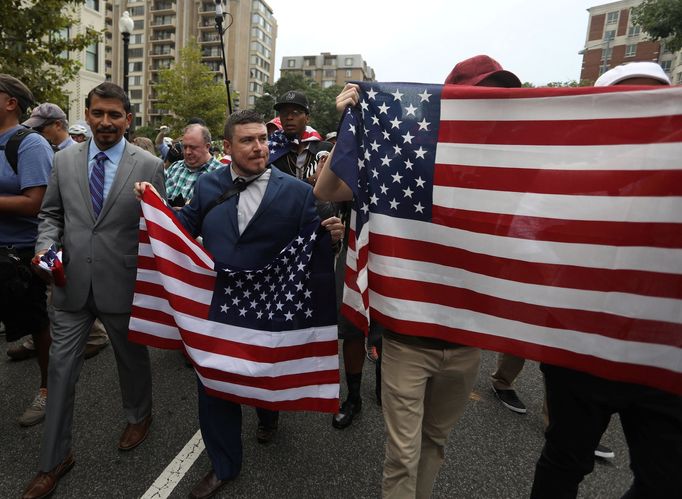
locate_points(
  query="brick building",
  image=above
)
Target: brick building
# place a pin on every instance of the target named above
(612, 40)
(328, 69)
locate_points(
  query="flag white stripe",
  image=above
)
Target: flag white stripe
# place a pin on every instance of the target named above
(175, 286)
(645, 354)
(328, 391)
(644, 157)
(582, 255)
(622, 304)
(245, 367)
(169, 253)
(633, 104)
(566, 207)
(154, 328)
(152, 302)
(160, 218)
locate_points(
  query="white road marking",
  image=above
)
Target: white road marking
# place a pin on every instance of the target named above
(176, 470)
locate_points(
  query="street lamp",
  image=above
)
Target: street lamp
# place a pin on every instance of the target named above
(125, 25)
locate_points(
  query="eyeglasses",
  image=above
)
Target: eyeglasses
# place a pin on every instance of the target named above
(284, 113)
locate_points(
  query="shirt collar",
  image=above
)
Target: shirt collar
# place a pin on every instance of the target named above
(114, 153)
(234, 175)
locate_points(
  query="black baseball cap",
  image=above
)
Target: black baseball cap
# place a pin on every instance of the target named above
(295, 98)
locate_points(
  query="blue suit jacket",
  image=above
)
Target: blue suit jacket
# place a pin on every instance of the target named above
(287, 206)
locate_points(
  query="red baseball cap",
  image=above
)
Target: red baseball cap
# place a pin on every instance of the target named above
(474, 70)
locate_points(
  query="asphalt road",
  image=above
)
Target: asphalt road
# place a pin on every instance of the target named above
(491, 453)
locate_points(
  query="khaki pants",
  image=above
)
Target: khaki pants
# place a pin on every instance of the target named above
(424, 392)
(508, 368)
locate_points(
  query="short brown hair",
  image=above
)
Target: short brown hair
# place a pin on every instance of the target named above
(243, 117)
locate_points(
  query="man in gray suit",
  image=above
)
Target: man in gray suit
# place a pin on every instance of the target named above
(90, 210)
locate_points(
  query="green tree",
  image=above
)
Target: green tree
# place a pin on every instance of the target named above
(189, 89)
(662, 20)
(323, 114)
(34, 46)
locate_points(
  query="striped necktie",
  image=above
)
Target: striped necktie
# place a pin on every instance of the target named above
(97, 183)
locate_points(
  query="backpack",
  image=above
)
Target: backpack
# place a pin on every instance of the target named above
(12, 147)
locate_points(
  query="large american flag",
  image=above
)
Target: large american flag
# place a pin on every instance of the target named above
(264, 337)
(546, 223)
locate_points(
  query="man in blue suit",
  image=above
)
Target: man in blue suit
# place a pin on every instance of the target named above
(246, 214)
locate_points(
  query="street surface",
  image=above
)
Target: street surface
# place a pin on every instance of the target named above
(491, 453)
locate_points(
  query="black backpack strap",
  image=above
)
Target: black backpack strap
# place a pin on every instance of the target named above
(11, 148)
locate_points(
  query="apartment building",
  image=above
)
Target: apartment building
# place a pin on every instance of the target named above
(612, 40)
(328, 69)
(163, 27)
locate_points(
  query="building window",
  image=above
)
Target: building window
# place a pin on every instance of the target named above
(134, 80)
(291, 63)
(349, 73)
(134, 67)
(609, 34)
(252, 100)
(136, 11)
(92, 58)
(136, 94)
(329, 73)
(138, 24)
(136, 39)
(349, 61)
(308, 73)
(666, 65)
(631, 50)
(606, 54)
(135, 53)
(92, 4)
(634, 31)
(330, 61)
(327, 83)
(612, 17)
(309, 62)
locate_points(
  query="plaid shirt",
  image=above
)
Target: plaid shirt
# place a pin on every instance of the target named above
(180, 179)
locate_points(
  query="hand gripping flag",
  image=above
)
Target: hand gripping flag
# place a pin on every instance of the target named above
(546, 223)
(264, 337)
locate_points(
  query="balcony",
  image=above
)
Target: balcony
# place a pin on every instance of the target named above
(162, 7)
(208, 37)
(162, 36)
(163, 22)
(162, 53)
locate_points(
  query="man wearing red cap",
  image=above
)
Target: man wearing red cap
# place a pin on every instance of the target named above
(426, 382)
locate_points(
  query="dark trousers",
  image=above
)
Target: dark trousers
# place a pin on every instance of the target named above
(267, 418)
(221, 428)
(580, 406)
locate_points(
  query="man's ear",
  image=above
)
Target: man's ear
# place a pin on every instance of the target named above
(227, 146)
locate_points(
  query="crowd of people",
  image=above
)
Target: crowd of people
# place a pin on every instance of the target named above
(77, 188)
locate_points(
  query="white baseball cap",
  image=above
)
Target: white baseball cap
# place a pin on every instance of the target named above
(632, 70)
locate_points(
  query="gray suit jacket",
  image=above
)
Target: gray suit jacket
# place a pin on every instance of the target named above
(99, 254)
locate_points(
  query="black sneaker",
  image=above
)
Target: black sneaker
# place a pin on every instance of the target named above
(604, 452)
(348, 411)
(510, 400)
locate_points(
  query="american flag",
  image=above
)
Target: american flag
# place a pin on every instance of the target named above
(264, 337)
(546, 223)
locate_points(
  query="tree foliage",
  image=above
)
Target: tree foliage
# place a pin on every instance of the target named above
(662, 20)
(189, 89)
(557, 84)
(34, 48)
(323, 114)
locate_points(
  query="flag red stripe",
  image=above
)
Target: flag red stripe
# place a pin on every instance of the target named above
(283, 382)
(258, 353)
(603, 324)
(176, 271)
(178, 303)
(466, 92)
(144, 236)
(581, 182)
(652, 234)
(303, 404)
(154, 341)
(619, 371)
(564, 132)
(173, 240)
(565, 276)
(153, 315)
(355, 318)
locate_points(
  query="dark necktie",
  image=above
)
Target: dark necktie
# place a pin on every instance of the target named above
(97, 183)
(240, 184)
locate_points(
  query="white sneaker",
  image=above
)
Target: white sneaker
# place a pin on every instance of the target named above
(35, 413)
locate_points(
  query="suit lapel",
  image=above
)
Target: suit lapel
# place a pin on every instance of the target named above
(81, 165)
(125, 168)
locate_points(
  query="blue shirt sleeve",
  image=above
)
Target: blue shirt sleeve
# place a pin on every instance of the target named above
(35, 161)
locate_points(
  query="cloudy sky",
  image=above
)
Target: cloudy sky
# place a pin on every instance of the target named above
(420, 40)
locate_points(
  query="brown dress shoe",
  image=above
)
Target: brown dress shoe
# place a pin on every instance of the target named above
(134, 434)
(207, 486)
(43, 484)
